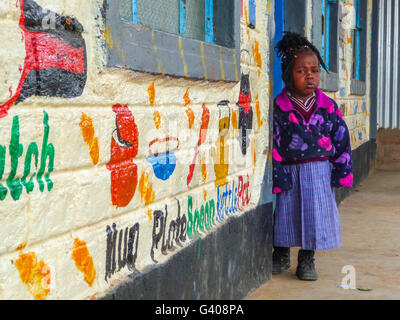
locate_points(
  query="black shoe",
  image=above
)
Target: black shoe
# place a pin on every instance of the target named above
(306, 268)
(280, 260)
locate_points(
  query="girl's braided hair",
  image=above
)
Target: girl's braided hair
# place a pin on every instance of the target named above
(288, 49)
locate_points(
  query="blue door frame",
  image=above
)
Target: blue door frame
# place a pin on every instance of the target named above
(278, 85)
(279, 29)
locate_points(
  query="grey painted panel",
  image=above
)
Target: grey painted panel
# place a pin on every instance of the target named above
(395, 57)
(374, 69)
(157, 18)
(142, 49)
(397, 106)
(295, 16)
(391, 72)
(363, 40)
(223, 24)
(191, 49)
(357, 87)
(380, 86)
(329, 81)
(228, 64)
(388, 64)
(334, 39)
(195, 21)
(316, 23)
(212, 62)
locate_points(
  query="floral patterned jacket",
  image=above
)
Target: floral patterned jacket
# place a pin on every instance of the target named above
(324, 135)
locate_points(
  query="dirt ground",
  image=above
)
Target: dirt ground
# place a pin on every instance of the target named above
(370, 224)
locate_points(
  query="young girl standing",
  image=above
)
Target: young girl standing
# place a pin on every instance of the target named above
(311, 155)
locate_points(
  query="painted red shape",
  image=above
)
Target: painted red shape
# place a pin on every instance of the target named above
(244, 102)
(205, 119)
(244, 196)
(44, 51)
(192, 166)
(124, 148)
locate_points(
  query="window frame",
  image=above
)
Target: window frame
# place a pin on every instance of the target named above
(329, 80)
(157, 52)
(295, 13)
(288, 16)
(359, 68)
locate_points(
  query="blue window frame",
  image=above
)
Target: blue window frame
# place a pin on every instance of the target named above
(329, 22)
(289, 16)
(199, 12)
(187, 38)
(359, 48)
(325, 35)
(359, 40)
(279, 14)
(209, 18)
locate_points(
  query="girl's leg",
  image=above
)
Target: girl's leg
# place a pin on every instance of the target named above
(306, 267)
(280, 260)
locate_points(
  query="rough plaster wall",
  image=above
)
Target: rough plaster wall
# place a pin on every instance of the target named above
(54, 239)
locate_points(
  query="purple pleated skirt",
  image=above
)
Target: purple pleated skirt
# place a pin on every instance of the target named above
(307, 216)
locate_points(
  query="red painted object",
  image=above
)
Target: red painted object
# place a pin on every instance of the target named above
(205, 119)
(54, 57)
(124, 148)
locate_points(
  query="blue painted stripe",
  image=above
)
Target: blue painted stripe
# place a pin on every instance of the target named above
(323, 30)
(252, 13)
(358, 17)
(327, 38)
(358, 39)
(209, 21)
(182, 17)
(134, 12)
(279, 29)
(358, 53)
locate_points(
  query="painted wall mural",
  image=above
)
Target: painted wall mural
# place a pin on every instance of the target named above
(84, 261)
(173, 226)
(124, 148)
(252, 14)
(167, 234)
(55, 61)
(200, 219)
(89, 137)
(122, 249)
(162, 156)
(245, 112)
(37, 163)
(170, 230)
(147, 193)
(35, 274)
(140, 191)
(205, 119)
(220, 155)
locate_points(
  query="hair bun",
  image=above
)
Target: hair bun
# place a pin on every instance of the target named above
(291, 44)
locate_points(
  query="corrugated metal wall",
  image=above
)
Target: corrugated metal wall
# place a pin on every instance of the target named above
(388, 97)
